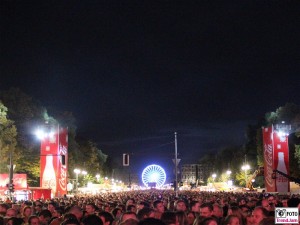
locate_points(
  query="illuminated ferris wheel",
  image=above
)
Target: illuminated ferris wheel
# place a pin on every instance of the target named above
(154, 174)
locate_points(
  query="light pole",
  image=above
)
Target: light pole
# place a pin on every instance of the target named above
(98, 177)
(176, 169)
(229, 182)
(245, 167)
(214, 177)
(77, 171)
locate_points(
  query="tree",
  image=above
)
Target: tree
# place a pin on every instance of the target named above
(241, 178)
(26, 114)
(8, 133)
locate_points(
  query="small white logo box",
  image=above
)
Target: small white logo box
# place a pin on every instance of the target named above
(286, 215)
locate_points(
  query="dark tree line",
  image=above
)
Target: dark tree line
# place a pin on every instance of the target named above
(20, 115)
(234, 156)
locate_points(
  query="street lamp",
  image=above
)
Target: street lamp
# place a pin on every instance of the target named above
(229, 182)
(77, 171)
(245, 168)
(214, 177)
(98, 177)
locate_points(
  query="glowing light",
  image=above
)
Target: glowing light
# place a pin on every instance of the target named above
(40, 134)
(89, 184)
(154, 174)
(245, 167)
(281, 134)
(77, 171)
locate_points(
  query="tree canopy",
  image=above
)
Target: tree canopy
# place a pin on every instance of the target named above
(17, 135)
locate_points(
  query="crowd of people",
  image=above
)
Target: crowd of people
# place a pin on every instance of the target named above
(150, 207)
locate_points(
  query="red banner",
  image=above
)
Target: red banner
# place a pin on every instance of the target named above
(19, 180)
(53, 151)
(39, 193)
(268, 158)
(281, 160)
(63, 162)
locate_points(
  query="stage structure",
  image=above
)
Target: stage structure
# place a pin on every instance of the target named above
(54, 159)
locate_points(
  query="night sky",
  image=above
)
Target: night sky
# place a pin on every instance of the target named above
(134, 72)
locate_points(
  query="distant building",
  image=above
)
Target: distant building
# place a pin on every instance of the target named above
(194, 174)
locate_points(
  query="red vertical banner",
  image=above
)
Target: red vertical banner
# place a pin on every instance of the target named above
(49, 158)
(62, 162)
(268, 158)
(281, 160)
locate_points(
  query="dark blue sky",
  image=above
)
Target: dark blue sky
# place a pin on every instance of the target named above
(134, 72)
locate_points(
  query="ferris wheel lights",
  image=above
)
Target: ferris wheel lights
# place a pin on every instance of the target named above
(154, 174)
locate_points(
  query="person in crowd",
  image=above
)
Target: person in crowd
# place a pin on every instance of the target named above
(106, 208)
(151, 221)
(38, 207)
(169, 218)
(45, 216)
(142, 204)
(33, 220)
(130, 222)
(232, 220)
(235, 210)
(106, 217)
(218, 212)
(206, 210)
(145, 212)
(131, 208)
(272, 200)
(91, 219)
(130, 201)
(181, 218)
(159, 208)
(51, 207)
(294, 202)
(57, 214)
(27, 212)
(249, 219)
(206, 221)
(180, 205)
(267, 221)
(3, 208)
(259, 213)
(17, 207)
(90, 209)
(191, 216)
(70, 221)
(284, 202)
(242, 201)
(128, 215)
(116, 212)
(14, 221)
(269, 206)
(11, 213)
(195, 207)
(64, 217)
(77, 211)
